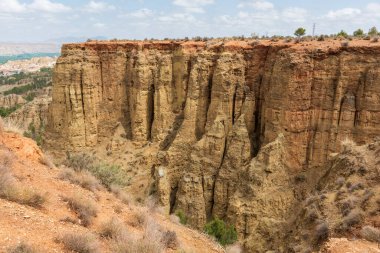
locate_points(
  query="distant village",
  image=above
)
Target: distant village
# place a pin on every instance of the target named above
(32, 65)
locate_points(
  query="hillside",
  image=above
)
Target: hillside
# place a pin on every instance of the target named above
(41, 208)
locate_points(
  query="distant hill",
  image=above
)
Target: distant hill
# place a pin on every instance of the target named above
(7, 49)
(28, 56)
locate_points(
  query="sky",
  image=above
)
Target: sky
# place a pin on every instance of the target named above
(44, 20)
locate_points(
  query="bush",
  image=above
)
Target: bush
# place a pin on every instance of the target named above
(170, 240)
(84, 208)
(182, 217)
(5, 112)
(225, 234)
(321, 232)
(113, 228)
(107, 174)
(10, 191)
(22, 248)
(353, 218)
(83, 178)
(120, 194)
(370, 234)
(81, 243)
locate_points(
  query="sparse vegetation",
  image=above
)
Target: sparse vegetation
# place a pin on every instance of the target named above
(5, 112)
(83, 207)
(321, 232)
(11, 191)
(80, 243)
(370, 234)
(109, 175)
(22, 248)
(225, 234)
(82, 178)
(113, 228)
(170, 240)
(182, 217)
(35, 134)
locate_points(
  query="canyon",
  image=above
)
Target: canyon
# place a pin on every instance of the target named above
(243, 131)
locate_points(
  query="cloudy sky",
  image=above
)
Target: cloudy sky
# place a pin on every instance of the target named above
(41, 20)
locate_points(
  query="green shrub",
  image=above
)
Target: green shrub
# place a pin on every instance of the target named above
(182, 217)
(35, 134)
(5, 112)
(225, 234)
(108, 174)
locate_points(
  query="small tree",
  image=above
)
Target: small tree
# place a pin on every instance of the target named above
(342, 34)
(225, 234)
(300, 32)
(373, 32)
(359, 33)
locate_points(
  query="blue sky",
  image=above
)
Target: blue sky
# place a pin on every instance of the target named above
(41, 20)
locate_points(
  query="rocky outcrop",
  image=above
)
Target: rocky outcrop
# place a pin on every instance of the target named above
(11, 100)
(244, 132)
(34, 113)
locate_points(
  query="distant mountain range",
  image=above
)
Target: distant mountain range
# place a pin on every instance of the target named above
(9, 49)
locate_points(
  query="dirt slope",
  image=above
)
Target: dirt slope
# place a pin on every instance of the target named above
(41, 226)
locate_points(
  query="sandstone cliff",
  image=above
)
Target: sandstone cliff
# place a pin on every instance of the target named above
(241, 132)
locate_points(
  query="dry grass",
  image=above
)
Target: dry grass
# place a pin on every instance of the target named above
(170, 240)
(113, 228)
(10, 125)
(22, 248)
(82, 178)
(370, 234)
(83, 207)
(235, 248)
(81, 243)
(139, 220)
(11, 191)
(46, 160)
(121, 194)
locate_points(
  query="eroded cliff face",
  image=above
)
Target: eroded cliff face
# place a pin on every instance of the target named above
(242, 132)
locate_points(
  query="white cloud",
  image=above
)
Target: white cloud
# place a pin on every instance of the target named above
(48, 6)
(96, 7)
(294, 14)
(346, 13)
(11, 6)
(99, 25)
(142, 13)
(193, 5)
(258, 5)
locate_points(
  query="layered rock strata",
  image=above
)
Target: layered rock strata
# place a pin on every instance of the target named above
(244, 130)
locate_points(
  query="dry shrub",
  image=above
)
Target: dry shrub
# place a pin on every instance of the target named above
(10, 125)
(22, 248)
(370, 234)
(83, 207)
(348, 145)
(321, 232)
(81, 243)
(139, 219)
(25, 196)
(175, 219)
(353, 218)
(235, 248)
(121, 194)
(80, 161)
(170, 240)
(113, 228)
(1, 126)
(150, 242)
(46, 160)
(82, 178)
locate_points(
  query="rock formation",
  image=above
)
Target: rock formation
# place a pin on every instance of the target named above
(244, 131)
(11, 100)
